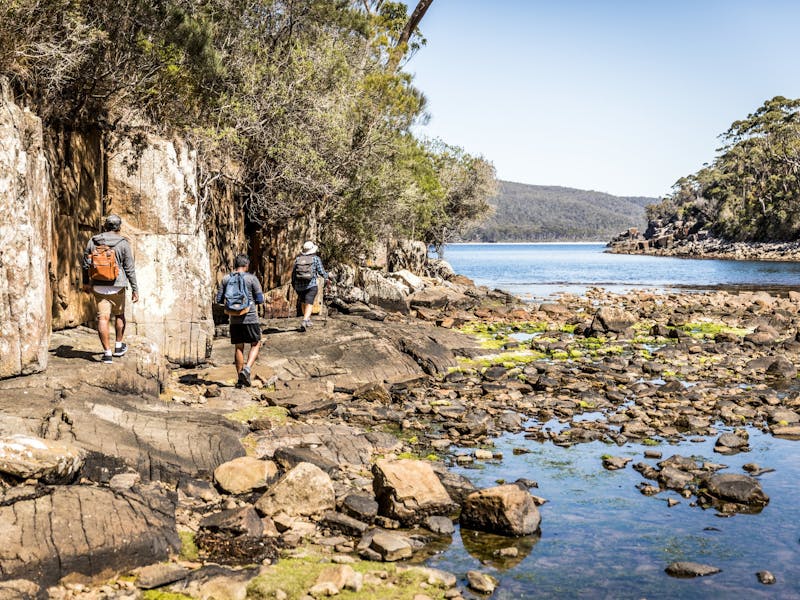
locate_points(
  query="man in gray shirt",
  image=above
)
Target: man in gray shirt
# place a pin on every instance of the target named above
(245, 328)
(109, 293)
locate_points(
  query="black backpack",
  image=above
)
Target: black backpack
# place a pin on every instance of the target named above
(304, 268)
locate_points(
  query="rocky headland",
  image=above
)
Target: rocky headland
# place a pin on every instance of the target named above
(331, 472)
(686, 239)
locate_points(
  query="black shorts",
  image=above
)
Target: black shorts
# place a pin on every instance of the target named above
(245, 333)
(308, 296)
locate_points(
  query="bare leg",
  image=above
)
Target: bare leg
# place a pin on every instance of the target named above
(253, 354)
(307, 308)
(238, 357)
(119, 327)
(102, 331)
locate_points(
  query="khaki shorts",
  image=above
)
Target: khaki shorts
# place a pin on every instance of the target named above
(110, 304)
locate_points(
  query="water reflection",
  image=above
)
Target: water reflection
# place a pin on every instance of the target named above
(498, 551)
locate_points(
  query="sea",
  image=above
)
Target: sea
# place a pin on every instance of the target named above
(600, 537)
(537, 271)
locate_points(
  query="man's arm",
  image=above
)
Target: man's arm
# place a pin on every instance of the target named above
(87, 284)
(258, 293)
(130, 269)
(221, 290)
(320, 268)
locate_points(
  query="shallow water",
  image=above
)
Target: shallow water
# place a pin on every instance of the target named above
(601, 538)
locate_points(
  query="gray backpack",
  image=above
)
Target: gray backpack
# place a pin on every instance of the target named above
(304, 268)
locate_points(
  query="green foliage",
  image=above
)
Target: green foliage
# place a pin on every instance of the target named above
(533, 213)
(297, 106)
(751, 191)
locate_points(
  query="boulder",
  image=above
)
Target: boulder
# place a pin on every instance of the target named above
(235, 521)
(504, 509)
(383, 291)
(440, 297)
(612, 319)
(28, 457)
(690, 569)
(407, 255)
(408, 279)
(304, 491)
(245, 474)
(88, 530)
(409, 490)
(25, 231)
(740, 489)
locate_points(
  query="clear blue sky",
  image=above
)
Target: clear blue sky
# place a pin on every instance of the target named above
(618, 96)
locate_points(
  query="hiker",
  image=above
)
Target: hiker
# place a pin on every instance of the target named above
(108, 268)
(307, 267)
(239, 293)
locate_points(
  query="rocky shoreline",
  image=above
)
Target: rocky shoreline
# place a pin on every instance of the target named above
(681, 241)
(331, 474)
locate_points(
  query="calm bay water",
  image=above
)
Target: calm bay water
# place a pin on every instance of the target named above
(540, 270)
(600, 537)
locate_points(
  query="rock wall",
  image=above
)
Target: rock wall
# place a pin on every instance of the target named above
(158, 201)
(25, 239)
(76, 180)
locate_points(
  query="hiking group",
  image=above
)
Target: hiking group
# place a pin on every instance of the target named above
(108, 269)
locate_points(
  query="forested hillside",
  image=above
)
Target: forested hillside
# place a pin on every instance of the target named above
(537, 213)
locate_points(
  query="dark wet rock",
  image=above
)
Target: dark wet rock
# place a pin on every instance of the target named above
(198, 488)
(458, 487)
(344, 523)
(153, 576)
(682, 463)
(766, 577)
(495, 373)
(361, 507)
(236, 521)
(289, 457)
(28, 457)
(372, 392)
(87, 529)
(739, 489)
(690, 569)
(304, 491)
(481, 582)
(245, 474)
(319, 406)
(475, 423)
(612, 463)
(652, 453)
(409, 490)
(671, 386)
(504, 509)
(781, 368)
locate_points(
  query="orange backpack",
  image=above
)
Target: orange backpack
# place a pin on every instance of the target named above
(103, 264)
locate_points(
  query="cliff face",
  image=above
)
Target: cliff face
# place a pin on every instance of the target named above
(55, 187)
(25, 241)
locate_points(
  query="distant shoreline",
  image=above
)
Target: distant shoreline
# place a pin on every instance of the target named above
(525, 243)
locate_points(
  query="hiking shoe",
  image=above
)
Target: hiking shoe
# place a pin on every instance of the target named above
(244, 377)
(121, 350)
(107, 359)
(309, 324)
(304, 325)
